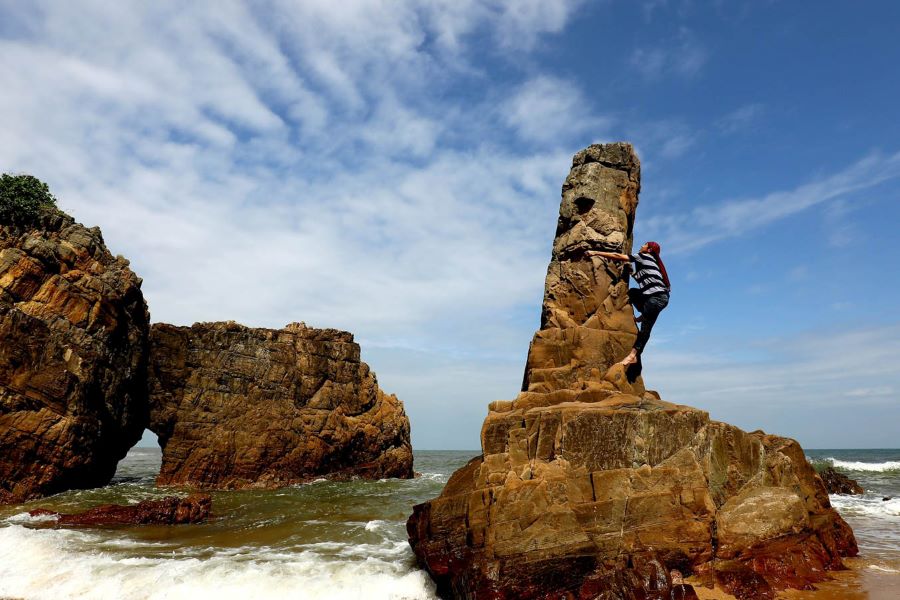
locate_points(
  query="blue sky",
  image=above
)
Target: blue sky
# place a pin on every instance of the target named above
(394, 169)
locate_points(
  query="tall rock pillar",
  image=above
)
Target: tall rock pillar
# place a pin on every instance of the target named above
(587, 324)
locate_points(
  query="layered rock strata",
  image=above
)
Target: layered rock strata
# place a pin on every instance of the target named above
(170, 510)
(73, 356)
(589, 486)
(240, 407)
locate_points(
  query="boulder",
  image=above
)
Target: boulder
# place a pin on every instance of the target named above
(237, 407)
(73, 358)
(838, 483)
(170, 510)
(591, 486)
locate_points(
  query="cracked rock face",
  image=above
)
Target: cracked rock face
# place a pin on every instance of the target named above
(589, 486)
(238, 407)
(73, 356)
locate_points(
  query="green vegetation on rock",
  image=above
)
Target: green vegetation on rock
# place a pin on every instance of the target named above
(23, 198)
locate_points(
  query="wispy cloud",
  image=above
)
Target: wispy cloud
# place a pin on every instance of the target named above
(684, 56)
(791, 384)
(740, 118)
(650, 7)
(667, 138)
(707, 224)
(871, 392)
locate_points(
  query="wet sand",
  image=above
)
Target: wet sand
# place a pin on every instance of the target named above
(863, 580)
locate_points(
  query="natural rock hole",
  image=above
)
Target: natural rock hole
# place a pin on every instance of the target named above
(583, 205)
(144, 456)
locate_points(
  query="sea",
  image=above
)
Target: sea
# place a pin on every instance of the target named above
(334, 540)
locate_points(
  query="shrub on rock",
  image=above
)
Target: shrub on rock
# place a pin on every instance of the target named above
(23, 198)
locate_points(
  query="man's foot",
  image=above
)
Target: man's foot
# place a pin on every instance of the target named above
(630, 359)
(639, 318)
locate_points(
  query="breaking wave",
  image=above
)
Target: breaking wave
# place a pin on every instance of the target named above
(50, 564)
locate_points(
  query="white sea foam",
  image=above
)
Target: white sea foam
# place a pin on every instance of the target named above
(26, 518)
(882, 569)
(374, 525)
(868, 505)
(49, 564)
(880, 467)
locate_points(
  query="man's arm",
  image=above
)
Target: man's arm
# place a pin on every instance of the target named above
(610, 255)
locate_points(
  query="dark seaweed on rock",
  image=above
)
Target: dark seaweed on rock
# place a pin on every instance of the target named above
(170, 510)
(838, 483)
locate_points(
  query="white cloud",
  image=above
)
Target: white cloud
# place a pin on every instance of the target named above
(547, 108)
(291, 164)
(522, 21)
(311, 161)
(796, 384)
(515, 24)
(707, 224)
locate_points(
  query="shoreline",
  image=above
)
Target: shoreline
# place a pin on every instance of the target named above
(863, 579)
(334, 539)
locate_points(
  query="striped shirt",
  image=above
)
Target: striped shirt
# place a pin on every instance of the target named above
(648, 275)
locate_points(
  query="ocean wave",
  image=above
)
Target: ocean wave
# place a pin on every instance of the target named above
(51, 564)
(439, 477)
(882, 569)
(890, 466)
(867, 505)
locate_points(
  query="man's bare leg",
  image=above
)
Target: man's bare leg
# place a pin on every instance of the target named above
(630, 359)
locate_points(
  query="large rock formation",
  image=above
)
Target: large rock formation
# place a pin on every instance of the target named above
(73, 355)
(591, 487)
(239, 407)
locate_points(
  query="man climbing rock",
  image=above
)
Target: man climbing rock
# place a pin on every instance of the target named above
(652, 295)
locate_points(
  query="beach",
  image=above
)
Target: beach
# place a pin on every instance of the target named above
(342, 540)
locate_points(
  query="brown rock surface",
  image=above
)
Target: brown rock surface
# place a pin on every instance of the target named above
(170, 510)
(239, 407)
(591, 487)
(73, 351)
